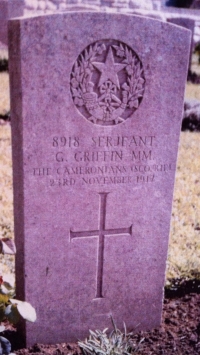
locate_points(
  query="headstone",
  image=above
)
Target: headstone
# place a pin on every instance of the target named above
(96, 106)
(195, 4)
(157, 4)
(190, 25)
(9, 9)
(141, 4)
(159, 15)
(78, 7)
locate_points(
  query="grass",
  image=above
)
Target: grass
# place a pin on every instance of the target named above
(4, 87)
(6, 195)
(195, 64)
(192, 91)
(184, 247)
(4, 96)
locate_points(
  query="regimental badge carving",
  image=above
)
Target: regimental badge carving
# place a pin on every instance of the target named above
(107, 82)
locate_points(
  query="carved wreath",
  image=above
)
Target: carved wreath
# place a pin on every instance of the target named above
(113, 98)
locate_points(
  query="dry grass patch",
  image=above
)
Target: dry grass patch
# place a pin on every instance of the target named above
(192, 91)
(6, 195)
(195, 63)
(184, 248)
(4, 94)
(3, 51)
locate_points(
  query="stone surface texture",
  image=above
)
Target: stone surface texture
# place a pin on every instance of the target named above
(186, 23)
(96, 113)
(137, 4)
(184, 14)
(9, 9)
(196, 4)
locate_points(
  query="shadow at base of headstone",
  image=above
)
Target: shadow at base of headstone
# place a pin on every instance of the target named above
(4, 118)
(191, 116)
(182, 287)
(193, 77)
(179, 3)
(3, 65)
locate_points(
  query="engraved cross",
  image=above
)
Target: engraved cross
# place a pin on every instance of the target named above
(101, 233)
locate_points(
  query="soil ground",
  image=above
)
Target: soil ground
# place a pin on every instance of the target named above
(179, 333)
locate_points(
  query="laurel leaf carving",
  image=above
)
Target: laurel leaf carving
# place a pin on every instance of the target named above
(109, 100)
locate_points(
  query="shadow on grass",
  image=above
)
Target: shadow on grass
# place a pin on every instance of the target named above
(3, 65)
(5, 117)
(182, 287)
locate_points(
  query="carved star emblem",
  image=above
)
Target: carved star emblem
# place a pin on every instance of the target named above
(109, 69)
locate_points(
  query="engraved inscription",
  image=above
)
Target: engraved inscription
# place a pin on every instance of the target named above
(107, 82)
(103, 160)
(101, 233)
